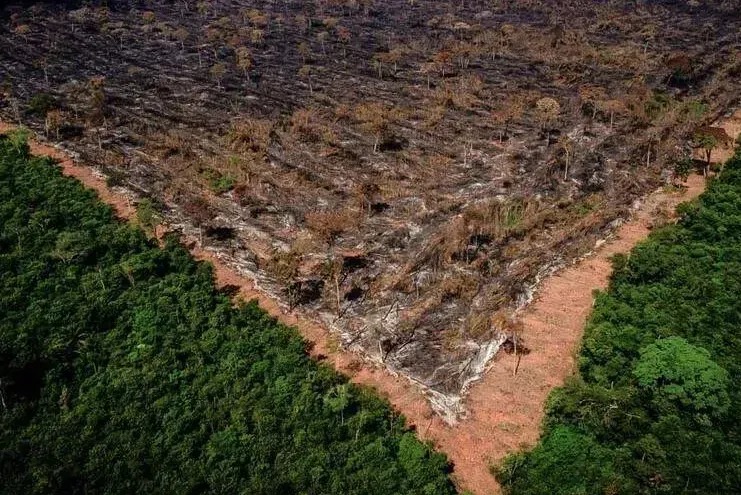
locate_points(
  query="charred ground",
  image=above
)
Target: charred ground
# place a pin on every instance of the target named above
(404, 171)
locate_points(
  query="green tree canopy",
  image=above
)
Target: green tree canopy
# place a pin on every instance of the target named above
(684, 376)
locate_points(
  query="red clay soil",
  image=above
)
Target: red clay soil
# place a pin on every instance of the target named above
(505, 409)
(732, 125)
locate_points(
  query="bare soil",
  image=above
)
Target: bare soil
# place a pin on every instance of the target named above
(732, 126)
(506, 407)
(401, 172)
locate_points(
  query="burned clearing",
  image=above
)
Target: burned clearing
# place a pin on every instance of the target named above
(405, 172)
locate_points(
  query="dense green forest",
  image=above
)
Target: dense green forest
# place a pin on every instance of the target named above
(654, 408)
(123, 370)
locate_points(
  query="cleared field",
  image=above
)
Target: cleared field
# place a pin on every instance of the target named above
(404, 172)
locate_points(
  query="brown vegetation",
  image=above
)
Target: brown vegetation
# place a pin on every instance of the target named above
(464, 148)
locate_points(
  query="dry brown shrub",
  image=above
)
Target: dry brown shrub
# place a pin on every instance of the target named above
(171, 143)
(133, 70)
(484, 223)
(354, 366)
(306, 124)
(376, 119)
(547, 110)
(244, 168)
(477, 324)
(305, 244)
(251, 135)
(506, 322)
(453, 97)
(284, 265)
(457, 286)
(433, 115)
(22, 29)
(471, 83)
(198, 209)
(392, 189)
(343, 112)
(242, 194)
(330, 224)
(365, 194)
(439, 162)
(302, 120)
(453, 239)
(498, 218)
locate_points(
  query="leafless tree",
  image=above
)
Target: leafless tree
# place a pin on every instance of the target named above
(181, 35)
(53, 122)
(548, 110)
(218, 70)
(244, 59)
(343, 34)
(304, 51)
(305, 73)
(566, 146)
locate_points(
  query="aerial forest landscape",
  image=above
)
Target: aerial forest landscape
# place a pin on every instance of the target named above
(370, 247)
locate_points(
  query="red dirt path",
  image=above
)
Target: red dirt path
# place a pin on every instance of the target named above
(505, 409)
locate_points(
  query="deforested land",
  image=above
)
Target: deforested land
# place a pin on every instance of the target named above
(404, 172)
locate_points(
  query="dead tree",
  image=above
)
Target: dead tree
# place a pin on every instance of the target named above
(244, 59)
(547, 110)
